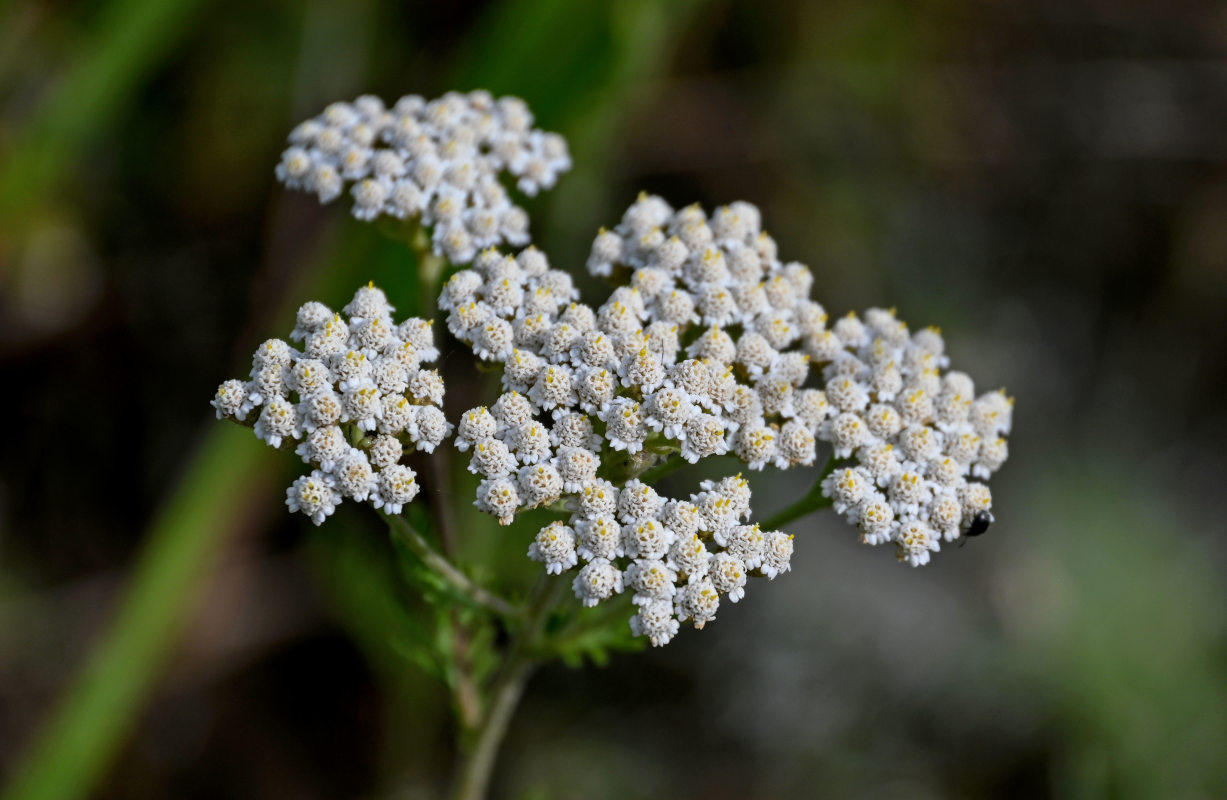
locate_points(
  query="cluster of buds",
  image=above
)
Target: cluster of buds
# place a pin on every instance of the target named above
(716, 284)
(663, 363)
(678, 557)
(710, 344)
(356, 399)
(913, 435)
(438, 161)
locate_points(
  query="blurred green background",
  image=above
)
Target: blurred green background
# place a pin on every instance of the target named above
(1047, 181)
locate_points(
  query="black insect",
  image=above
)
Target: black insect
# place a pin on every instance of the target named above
(980, 523)
(979, 526)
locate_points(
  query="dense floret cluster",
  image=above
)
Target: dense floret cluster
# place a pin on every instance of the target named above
(915, 437)
(694, 354)
(677, 557)
(356, 399)
(438, 161)
(708, 344)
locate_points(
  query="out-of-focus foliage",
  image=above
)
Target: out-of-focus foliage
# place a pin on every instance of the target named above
(1046, 181)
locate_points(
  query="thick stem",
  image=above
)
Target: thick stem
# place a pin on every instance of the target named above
(477, 763)
(460, 582)
(811, 502)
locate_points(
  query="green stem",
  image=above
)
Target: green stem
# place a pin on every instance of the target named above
(427, 264)
(460, 582)
(477, 763)
(440, 501)
(429, 268)
(811, 502)
(619, 466)
(672, 463)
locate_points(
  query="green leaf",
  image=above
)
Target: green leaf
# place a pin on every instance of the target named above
(592, 634)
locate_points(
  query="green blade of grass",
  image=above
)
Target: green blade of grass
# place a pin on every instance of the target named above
(184, 545)
(129, 38)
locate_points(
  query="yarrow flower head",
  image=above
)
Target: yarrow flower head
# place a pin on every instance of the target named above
(916, 441)
(355, 400)
(706, 344)
(438, 161)
(709, 344)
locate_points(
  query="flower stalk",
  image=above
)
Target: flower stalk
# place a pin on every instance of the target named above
(450, 573)
(811, 502)
(670, 464)
(477, 760)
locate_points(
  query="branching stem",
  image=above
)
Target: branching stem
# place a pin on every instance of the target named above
(811, 502)
(481, 596)
(477, 762)
(672, 463)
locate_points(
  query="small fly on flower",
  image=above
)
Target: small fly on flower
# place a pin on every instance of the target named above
(980, 523)
(979, 526)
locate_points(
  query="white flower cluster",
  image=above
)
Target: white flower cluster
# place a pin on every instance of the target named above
(914, 434)
(710, 346)
(356, 397)
(436, 160)
(700, 352)
(623, 374)
(678, 557)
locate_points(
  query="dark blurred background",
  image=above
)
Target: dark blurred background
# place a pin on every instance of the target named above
(1047, 181)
